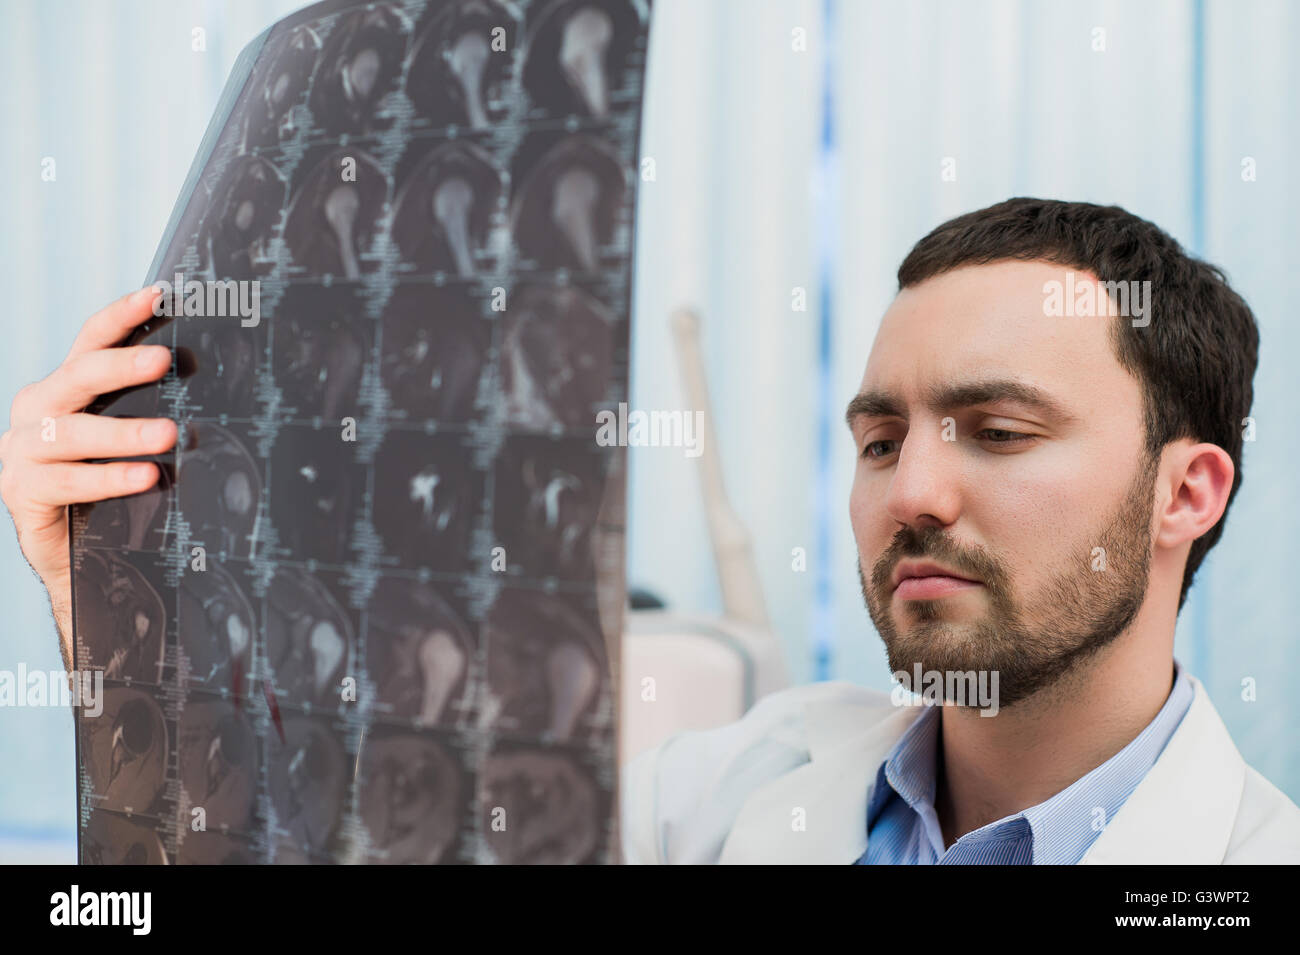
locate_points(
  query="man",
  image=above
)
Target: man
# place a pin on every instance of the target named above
(1049, 435)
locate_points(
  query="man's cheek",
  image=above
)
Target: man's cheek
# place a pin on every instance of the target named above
(864, 536)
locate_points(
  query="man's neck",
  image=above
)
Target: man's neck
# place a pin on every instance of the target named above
(990, 768)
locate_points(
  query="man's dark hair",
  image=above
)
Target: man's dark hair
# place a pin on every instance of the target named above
(1195, 360)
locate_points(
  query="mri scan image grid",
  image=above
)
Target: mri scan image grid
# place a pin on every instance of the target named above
(371, 611)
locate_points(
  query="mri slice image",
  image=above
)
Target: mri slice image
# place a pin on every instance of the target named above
(221, 359)
(123, 619)
(213, 848)
(566, 205)
(110, 839)
(556, 357)
(454, 76)
(316, 489)
(277, 86)
(309, 776)
(548, 496)
(546, 664)
(322, 337)
(445, 209)
(550, 806)
(242, 215)
(435, 345)
(125, 751)
(136, 522)
(578, 51)
(413, 798)
(426, 497)
(333, 217)
(218, 763)
(309, 638)
(219, 486)
(418, 653)
(217, 627)
(361, 63)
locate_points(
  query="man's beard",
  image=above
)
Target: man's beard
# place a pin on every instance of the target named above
(1030, 643)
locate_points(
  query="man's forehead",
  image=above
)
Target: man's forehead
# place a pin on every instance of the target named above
(986, 323)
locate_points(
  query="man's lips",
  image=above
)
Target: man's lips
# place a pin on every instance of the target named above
(926, 580)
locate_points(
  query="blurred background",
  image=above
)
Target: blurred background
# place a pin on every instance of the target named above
(797, 144)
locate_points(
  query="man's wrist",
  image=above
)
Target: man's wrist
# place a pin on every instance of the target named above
(61, 605)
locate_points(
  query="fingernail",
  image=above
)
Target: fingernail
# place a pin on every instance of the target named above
(153, 431)
(139, 473)
(147, 293)
(148, 355)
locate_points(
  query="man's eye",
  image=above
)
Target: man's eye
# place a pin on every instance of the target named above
(881, 449)
(1002, 436)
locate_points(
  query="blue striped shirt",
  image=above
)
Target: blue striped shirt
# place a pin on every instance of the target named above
(902, 827)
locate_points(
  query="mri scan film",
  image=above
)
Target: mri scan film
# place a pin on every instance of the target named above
(371, 611)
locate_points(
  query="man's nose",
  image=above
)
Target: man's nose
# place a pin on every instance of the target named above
(925, 489)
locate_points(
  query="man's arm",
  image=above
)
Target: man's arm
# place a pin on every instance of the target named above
(61, 605)
(47, 450)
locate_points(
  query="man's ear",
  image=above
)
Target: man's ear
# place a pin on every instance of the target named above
(1199, 477)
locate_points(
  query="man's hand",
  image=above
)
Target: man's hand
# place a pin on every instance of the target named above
(49, 439)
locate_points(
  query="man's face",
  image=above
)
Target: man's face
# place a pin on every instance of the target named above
(1006, 447)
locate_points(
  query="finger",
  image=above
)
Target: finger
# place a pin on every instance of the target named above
(76, 437)
(61, 484)
(79, 381)
(110, 325)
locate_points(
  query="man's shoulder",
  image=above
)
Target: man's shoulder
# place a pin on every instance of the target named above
(1267, 828)
(778, 721)
(681, 797)
(789, 707)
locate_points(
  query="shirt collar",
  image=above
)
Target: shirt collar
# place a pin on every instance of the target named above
(909, 767)
(1066, 824)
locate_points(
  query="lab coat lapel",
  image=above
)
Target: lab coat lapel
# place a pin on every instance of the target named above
(1182, 812)
(818, 812)
(1184, 809)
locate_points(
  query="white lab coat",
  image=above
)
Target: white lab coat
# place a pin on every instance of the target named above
(733, 794)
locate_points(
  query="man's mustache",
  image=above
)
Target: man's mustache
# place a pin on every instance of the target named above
(935, 544)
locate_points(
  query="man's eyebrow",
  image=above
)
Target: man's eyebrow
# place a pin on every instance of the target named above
(873, 404)
(968, 394)
(882, 404)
